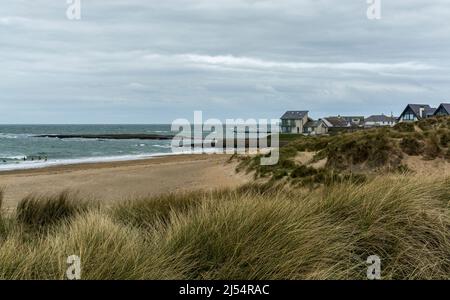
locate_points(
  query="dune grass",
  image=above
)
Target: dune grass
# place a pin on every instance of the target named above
(40, 212)
(253, 232)
(376, 150)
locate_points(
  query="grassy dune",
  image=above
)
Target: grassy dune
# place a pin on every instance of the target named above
(254, 232)
(354, 155)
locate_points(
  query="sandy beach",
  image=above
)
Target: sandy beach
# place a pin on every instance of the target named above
(116, 181)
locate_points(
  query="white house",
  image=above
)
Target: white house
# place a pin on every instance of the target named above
(380, 120)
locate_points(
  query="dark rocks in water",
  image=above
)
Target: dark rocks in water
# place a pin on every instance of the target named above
(108, 136)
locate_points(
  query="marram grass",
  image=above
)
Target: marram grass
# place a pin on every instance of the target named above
(248, 233)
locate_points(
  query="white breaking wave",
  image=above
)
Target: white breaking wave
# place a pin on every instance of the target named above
(61, 162)
(14, 157)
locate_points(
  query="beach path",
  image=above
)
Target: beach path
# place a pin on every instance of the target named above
(117, 181)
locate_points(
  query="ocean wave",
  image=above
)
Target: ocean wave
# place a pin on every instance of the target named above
(8, 136)
(162, 146)
(14, 135)
(12, 157)
(161, 131)
(23, 165)
(58, 162)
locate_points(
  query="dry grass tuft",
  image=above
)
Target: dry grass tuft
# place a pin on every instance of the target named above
(43, 211)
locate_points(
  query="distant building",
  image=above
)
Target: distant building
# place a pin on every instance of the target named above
(311, 127)
(294, 121)
(380, 120)
(298, 122)
(443, 110)
(333, 124)
(415, 112)
(354, 120)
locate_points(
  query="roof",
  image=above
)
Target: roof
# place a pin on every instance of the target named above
(380, 118)
(430, 111)
(335, 122)
(311, 124)
(294, 115)
(352, 117)
(446, 106)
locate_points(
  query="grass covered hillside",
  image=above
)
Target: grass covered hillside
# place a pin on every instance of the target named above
(254, 232)
(319, 159)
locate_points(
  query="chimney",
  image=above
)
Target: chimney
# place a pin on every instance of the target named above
(421, 110)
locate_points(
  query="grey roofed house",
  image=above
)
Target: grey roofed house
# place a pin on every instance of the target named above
(293, 121)
(443, 110)
(310, 126)
(294, 115)
(355, 120)
(336, 122)
(312, 123)
(414, 112)
(333, 124)
(380, 119)
(430, 112)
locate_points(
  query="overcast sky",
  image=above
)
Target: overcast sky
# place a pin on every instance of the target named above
(138, 61)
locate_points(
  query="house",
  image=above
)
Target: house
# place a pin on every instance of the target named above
(354, 120)
(415, 112)
(333, 124)
(311, 127)
(380, 120)
(294, 121)
(443, 110)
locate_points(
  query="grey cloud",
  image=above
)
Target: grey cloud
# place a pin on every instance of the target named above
(153, 61)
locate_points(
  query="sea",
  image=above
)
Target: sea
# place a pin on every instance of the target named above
(20, 148)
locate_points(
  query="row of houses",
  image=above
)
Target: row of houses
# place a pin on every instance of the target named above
(415, 112)
(298, 122)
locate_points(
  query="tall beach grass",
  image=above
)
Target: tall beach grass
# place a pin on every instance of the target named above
(253, 232)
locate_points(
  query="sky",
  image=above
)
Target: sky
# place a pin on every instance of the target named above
(154, 61)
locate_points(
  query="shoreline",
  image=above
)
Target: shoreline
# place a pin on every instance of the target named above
(172, 158)
(33, 165)
(121, 180)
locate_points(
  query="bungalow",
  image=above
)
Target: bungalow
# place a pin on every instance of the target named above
(311, 127)
(354, 120)
(443, 110)
(380, 120)
(294, 121)
(333, 124)
(415, 112)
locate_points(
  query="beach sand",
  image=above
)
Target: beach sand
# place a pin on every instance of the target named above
(117, 181)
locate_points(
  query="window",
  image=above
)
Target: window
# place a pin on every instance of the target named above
(409, 117)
